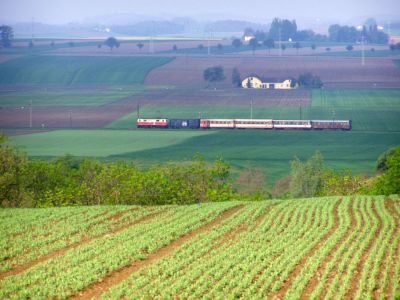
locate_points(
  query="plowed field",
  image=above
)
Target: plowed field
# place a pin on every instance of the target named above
(334, 71)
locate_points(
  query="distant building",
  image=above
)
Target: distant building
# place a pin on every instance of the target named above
(255, 82)
(247, 38)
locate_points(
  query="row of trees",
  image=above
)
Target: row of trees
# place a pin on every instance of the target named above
(286, 30)
(71, 181)
(350, 34)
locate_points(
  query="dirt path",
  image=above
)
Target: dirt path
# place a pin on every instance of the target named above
(96, 289)
(22, 268)
(284, 288)
(316, 277)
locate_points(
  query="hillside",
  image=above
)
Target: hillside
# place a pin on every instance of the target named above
(294, 249)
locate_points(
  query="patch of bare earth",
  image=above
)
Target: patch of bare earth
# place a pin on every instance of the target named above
(113, 278)
(284, 288)
(334, 71)
(388, 292)
(356, 275)
(22, 268)
(317, 275)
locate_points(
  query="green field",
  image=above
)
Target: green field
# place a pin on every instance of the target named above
(334, 248)
(270, 151)
(358, 53)
(376, 127)
(78, 70)
(369, 110)
(44, 97)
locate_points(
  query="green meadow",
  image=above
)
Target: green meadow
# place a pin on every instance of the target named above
(78, 70)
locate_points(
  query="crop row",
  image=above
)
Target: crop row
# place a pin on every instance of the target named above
(347, 247)
(52, 231)
(199, 269)
(64, 275)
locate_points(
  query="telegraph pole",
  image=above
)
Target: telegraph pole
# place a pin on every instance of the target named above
(251, 109)
(30, 114)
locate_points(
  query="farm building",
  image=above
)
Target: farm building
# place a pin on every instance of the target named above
(255, 82)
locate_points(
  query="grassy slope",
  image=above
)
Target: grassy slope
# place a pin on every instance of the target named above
(73, 70)
(95, 97)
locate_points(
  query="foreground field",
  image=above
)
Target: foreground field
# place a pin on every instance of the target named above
(296, 249)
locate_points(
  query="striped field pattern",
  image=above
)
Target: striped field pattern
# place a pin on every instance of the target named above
(321, 248)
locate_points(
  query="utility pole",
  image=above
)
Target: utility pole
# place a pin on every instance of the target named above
(251, 109)
(208, 43)
(138, 110)
(300, 112)
(362, 50)
(70, 118)
(30, 114)
(279, 42)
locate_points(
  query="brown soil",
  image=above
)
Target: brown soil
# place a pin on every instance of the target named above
(121, 213)
(22, 268)
(334, 71)
(282, 291)
(95, 117)
(113, 278)
(315, 279)
(6, 57)
(388, 293)
(356, 275)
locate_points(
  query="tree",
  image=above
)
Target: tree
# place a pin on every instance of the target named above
(282, 30)
(174, 48)
(297, 46)
(111, 42)
(253, 43)
(52, 44)
(389, 181)
(313, 47)
(214, 74)
(236, 80)
(200, 46)
(269, 43)
(6, 36)
(283, 47)
(309, 80)
(31, 44)
(11, 164)
(306, 178)
(71, 44)
(349, 48)
(236, 43)
(219, 46)
(140, 46)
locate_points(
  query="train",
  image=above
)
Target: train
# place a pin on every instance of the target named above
(243, 124)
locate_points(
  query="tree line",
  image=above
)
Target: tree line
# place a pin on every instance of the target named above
(287, 30)
(68, 181)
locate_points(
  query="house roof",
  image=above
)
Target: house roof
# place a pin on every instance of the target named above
(270, 79)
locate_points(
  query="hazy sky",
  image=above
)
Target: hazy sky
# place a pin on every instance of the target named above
(63, 11)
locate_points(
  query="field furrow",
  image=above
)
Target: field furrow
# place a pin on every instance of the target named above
(328, 248)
